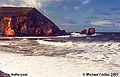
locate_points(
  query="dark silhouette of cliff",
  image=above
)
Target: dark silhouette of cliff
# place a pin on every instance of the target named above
(25, 21)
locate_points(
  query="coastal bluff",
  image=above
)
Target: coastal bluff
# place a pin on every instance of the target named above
(26, 21)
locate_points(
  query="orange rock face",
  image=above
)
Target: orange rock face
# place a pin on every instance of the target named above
(90, 31)
(19, 21)
(9, 32)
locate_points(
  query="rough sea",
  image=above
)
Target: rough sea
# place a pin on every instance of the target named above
(100, 47)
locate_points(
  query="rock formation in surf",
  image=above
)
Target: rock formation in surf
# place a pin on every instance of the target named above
(25, 21)
(89, 31)
(83, 31)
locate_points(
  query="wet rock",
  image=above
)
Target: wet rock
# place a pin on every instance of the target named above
(83, 31)
(63, 32)
(90, 31)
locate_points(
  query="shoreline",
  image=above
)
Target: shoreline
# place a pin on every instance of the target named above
(44, 66)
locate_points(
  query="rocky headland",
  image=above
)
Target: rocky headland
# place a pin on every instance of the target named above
(25, 21)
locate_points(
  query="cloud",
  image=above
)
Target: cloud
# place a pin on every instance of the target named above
(76, 7)
(22, 3)
(102, 12)
(105, 22)
(41, 3)
(28, 3)
(85, 2)
(91, 17)
(108, 22)
(115, 21)
(116, 8)
(69, 21)
(66, 8)
(69, 24)
(48, 12)
(60, 19)
(31, 3)
(90, 10)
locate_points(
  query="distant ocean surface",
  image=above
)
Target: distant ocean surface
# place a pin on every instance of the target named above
(99, 47)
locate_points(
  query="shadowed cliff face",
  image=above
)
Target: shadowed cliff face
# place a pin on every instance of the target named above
(23, 21)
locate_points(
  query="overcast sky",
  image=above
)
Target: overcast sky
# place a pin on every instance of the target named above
(75, 15)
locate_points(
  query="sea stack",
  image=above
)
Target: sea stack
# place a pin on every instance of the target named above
(25, 21)
(83, 31)
(89, 31)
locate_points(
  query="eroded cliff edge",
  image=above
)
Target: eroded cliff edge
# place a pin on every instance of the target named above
(25, 21)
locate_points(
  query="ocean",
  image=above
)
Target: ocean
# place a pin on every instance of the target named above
(100, 47)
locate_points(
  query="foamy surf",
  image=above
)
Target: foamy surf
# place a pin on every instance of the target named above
(43, 66)
(108, 52)
(54, 43)
(82, 35)
(91, 52)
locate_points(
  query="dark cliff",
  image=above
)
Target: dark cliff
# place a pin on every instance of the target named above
(24, 21)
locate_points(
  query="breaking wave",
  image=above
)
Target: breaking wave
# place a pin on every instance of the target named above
(95, 51)
(88, 48)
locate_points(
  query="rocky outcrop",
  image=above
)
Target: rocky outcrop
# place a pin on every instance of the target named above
(24, 21)
(83, 31)
(89, 31)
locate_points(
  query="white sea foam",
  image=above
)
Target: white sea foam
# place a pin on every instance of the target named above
(82, 35)
(108, 52)
(43, 66)
(63, 36)
(54, 43)
(95, 45)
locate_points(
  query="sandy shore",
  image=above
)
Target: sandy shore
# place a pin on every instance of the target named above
(43, 66)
